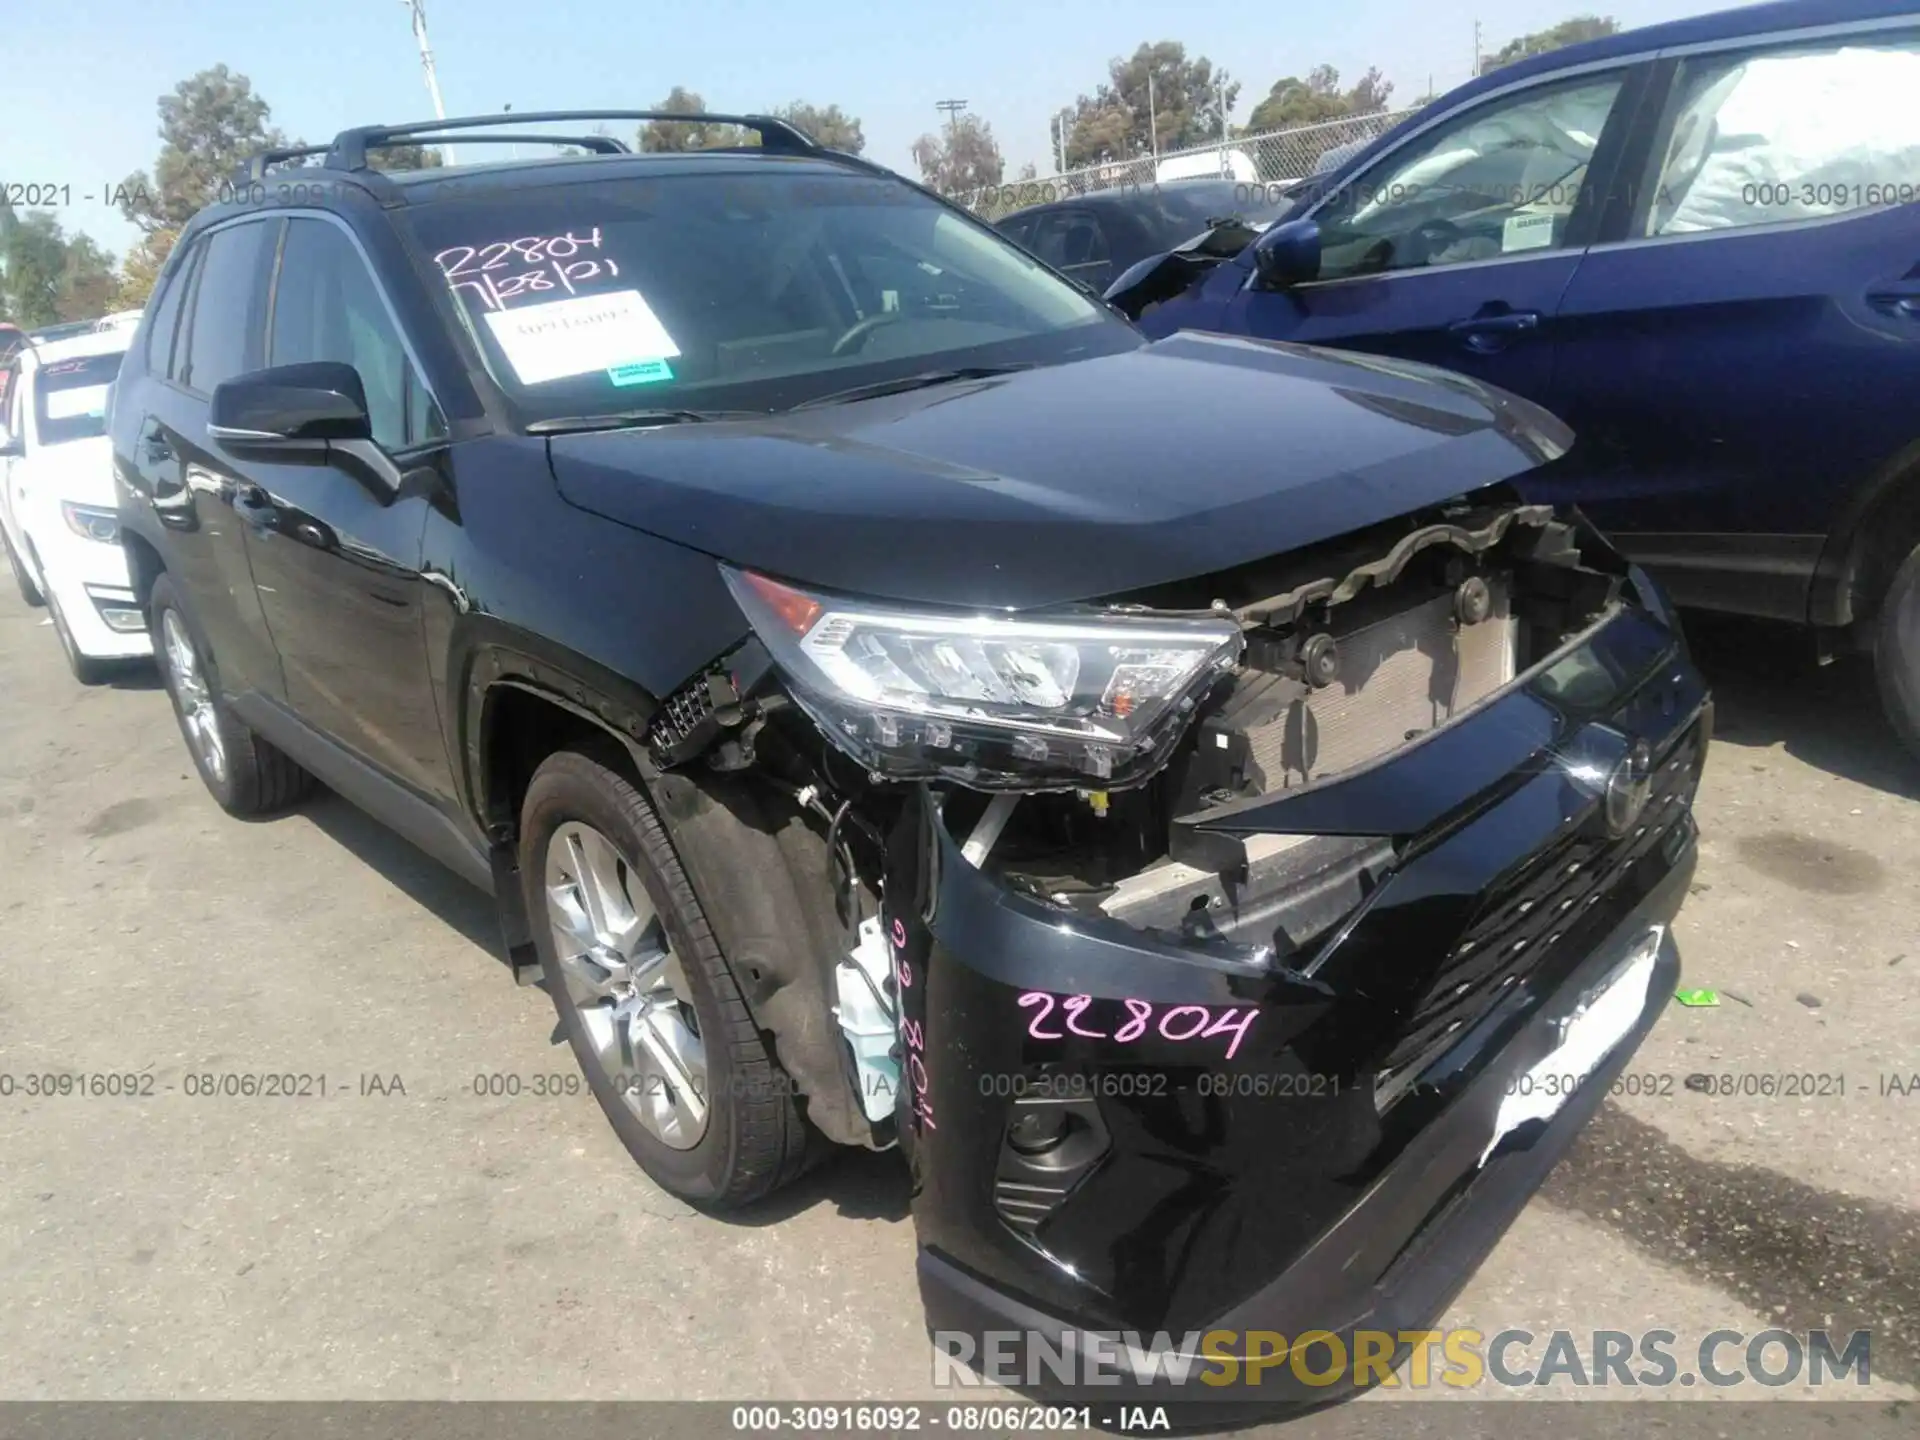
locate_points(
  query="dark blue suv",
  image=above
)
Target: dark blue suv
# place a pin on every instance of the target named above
(1699, 244)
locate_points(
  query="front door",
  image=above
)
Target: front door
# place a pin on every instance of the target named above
(335, 539)
(1456, 247)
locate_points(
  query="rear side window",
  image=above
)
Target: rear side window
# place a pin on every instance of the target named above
(166, 319)
(1801, 134)
(223, 337)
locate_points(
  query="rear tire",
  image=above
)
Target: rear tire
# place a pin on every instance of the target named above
(245, 773)
(657, 1023)
(29, 592)
(1896, 652)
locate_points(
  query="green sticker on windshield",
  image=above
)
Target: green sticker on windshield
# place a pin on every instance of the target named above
(640, 372)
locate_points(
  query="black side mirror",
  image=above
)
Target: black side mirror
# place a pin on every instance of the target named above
(12, 447)
(1287, 254)
(319, 401)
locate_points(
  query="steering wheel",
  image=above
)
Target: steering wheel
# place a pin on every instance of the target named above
(855, 335)
(1432, 236)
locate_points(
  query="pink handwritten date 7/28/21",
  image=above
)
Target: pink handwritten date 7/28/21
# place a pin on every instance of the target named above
(1177, 1023)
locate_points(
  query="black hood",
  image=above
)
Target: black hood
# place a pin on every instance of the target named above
(1070, 482)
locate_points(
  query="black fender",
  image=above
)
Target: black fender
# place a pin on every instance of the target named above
(758, 868)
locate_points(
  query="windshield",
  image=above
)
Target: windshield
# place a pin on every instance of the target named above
(70, 398)
(740, 291)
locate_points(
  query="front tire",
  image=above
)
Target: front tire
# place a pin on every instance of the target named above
(243, 772)
(645, 997)
(29, 592)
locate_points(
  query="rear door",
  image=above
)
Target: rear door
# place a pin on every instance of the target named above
(1741, 352)
(1455, 247)
(192, 481)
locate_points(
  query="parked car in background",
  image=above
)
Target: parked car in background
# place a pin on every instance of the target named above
(119, 320)
(1699, 244)
(57, 507)
(1223, 164)
(874, 683)
(66, 330)
(1092, 238)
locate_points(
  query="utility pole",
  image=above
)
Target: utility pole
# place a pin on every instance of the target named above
(1153, 118)
(953, 109)
(1476, 51)
(417, 10)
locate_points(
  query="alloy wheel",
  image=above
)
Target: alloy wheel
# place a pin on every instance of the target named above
(625, 985)
(194, 694)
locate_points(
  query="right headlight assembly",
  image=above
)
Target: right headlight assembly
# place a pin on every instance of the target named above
(1092, 699)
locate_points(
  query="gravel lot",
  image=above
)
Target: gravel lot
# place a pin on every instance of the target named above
(434, 1244)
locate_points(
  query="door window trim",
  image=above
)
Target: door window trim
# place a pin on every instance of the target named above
(379, 288)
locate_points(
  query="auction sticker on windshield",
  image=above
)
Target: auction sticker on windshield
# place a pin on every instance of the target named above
(577, 336)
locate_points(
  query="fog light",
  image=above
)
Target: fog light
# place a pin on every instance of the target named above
(125, 622)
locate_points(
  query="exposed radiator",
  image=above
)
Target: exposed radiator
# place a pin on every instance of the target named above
(1399, 677)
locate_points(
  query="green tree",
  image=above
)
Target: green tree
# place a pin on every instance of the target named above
(89, 288)
(1114, 122)
(209, 125)
(33, 257)
(961, 159)
(672, 136)
(1568, 32)
(831, 126)
(1318, 98)
(406, 157)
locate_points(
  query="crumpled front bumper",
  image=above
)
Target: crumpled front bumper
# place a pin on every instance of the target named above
(1115, 1131)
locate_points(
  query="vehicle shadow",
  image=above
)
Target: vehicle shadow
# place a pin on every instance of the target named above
(1769, 690)
(860, 1184)
(409, 869)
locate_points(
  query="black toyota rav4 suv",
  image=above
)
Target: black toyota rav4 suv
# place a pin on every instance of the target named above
(1175, 792)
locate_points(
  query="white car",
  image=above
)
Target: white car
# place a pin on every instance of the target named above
(57, 516)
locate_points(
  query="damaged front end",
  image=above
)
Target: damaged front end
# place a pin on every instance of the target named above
(1191, 943)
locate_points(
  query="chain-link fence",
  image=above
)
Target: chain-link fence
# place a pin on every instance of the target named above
(1271, 159)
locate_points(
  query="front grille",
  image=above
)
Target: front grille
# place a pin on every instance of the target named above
(1525, 918)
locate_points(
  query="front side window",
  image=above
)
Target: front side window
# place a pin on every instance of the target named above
(70, 398)
(1501, 180)
(749, 290)
(326, 306)
(1758, 139)
(1073, 243)
(223, 335)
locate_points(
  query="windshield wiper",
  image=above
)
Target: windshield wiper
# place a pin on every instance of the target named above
(636, 420)
(905, 383)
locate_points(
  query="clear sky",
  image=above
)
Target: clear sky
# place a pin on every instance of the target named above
(81, 77)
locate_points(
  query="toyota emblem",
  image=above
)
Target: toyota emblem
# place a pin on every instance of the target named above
(1628, 787)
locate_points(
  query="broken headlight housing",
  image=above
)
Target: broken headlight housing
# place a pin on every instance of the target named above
(1092, 700)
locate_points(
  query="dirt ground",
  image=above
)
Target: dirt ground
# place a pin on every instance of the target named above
(407, 1238)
